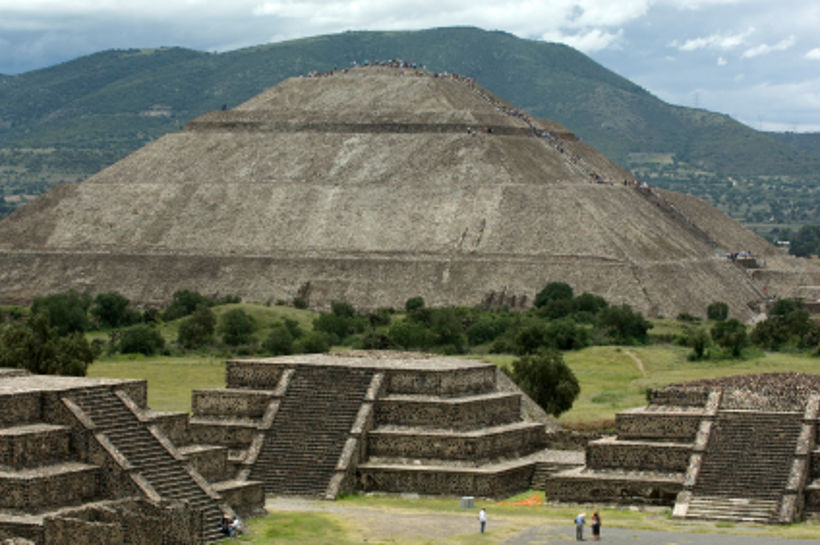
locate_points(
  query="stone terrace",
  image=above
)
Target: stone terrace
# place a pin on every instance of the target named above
(737, 448)
(83, 460)
(401, 423)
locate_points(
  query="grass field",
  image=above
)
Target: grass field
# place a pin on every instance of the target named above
(612, 378)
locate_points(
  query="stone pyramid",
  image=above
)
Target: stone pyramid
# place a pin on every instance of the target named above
(373, 185)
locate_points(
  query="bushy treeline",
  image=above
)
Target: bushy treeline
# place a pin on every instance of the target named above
(560, 321)
(788, 327)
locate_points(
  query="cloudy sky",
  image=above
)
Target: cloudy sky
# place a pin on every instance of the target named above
(756, 60)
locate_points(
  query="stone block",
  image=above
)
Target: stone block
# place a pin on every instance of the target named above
(211, 461)
(446, 481)
(231, 402)
(33, 445)
(172, 425)
(509, 441)
(645, 455)
(252, 374)
(472, 380)
(247, 498)
(670, 426)
(49, 486)
(20, 408)
(226, 433)
(457, 413)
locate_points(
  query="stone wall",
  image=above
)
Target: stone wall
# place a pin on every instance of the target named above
(474, 447)
(609, 453)
(466, 413)
(442, 383)
(449, 483)
(641, 424)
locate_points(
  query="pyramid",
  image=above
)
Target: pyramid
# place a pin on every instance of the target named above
(373, 185)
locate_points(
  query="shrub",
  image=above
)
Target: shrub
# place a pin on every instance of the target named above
(717, 311)
(379, 318)
(588, 302)
(414, 303)
(183, 303)
(409, 334)
(198, 329)
(547, 380)
(565, 334)
(731, 335)
(375, 340)
(66, 311)
(111, 309)
(141, 339)
(699, 341)
(624, 325)
(299, 302)
(531, 337)
(311, 343)
(35, 345)
(293, 327)
(279, 341)
(557, 308)
(448, 328)
(554, 291)
(789, 324)
(487, 328)
(236, 327)
(341, 308)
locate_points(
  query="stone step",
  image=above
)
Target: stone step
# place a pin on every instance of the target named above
(615, 485)
(211, 461)
(736, 509)
(32, 445)
(614, 452)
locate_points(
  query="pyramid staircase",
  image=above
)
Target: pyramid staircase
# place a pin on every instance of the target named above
(745, 470)
(300, 451)
(156, 465)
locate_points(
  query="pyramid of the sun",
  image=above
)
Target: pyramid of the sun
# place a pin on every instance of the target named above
(374, 185)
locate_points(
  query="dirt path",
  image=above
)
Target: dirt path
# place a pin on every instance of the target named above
(637, 360)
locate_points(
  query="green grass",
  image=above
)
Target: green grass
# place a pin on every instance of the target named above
(170, 379)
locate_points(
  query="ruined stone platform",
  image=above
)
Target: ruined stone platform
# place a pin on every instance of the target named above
(85, 460)
(319, 424)
(740, 448)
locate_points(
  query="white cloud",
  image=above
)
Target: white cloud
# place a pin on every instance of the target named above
(714, 41)
(721, 61)
(765, 49)
(813, 55)
(587, 41)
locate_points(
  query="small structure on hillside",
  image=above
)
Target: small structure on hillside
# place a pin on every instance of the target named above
(738, 448)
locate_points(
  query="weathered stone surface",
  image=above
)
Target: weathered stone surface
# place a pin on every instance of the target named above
(372, 187)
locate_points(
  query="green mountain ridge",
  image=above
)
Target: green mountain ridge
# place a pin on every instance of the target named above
(61, 124)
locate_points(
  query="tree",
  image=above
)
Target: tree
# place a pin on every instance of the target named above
(236, 327)
(111, 310)
(547, 380)
(66, 311)
(279, 341)
(699, 341)
(717, 311)
(624, 325)
(141, 339)
(36, 346)
(183, 303)
(409, 334)
(731, 335)
(554, 291)
(198, 329)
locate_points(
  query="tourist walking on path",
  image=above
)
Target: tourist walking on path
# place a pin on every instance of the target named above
(482, 518)
(580, 520)
(596, 526)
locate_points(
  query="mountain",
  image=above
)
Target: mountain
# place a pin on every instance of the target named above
(63, 123)
(375, 184)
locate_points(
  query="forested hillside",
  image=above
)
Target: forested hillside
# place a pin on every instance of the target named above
(61, 124)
